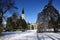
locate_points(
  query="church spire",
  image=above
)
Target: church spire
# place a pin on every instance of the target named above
(23, 10)
(23, 13)
(50, 2)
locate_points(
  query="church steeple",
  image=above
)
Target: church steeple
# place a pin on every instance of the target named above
(23, 10)
(23, 13)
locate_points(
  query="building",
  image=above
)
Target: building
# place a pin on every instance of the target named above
(32, 26)
(22, 13)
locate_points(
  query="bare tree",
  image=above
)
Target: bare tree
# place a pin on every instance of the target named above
(5, 5)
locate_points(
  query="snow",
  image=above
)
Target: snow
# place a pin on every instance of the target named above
(29, 35)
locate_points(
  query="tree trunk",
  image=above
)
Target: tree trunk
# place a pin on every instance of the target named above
(55, 29)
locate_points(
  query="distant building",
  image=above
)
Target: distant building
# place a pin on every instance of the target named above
(32, 26)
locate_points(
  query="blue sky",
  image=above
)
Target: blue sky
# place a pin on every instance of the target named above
(33, 7)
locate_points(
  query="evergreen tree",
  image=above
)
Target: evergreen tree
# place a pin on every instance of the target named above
(9, 26)
(49, 16)
(14, 21)
(19, 23)
(58, 22)
(53, 24)
(22, 24)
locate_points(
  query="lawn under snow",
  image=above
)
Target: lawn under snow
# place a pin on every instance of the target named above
(29, 35)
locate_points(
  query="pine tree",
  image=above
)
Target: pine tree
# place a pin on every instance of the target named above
(58, 22)
(14, 21)
(22, 24)
(9, 26)
(49, 16)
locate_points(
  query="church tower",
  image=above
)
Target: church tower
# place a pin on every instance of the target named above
(22, 13)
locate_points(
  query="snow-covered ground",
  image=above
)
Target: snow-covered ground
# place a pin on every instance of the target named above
(29, 35)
